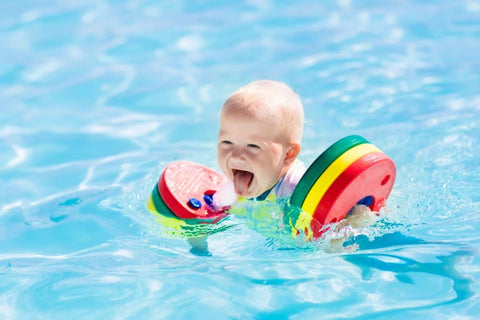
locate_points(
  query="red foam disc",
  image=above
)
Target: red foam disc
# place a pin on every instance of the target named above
(372, 175)
(183, 180)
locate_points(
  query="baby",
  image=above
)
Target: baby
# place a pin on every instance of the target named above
(261, 126)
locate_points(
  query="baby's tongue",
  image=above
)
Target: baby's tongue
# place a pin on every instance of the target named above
(241, 181)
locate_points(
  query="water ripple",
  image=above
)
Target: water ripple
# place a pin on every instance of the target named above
(98, 97)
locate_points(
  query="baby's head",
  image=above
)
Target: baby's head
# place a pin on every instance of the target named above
(261, 128)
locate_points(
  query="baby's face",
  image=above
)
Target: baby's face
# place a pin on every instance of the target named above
(251, 152)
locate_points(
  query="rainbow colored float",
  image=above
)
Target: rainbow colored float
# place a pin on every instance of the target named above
(351, 171)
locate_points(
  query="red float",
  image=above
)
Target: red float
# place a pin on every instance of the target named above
(185, 185)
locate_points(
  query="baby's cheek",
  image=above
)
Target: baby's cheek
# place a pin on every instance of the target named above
(221, 156)
(222, 164)
(226, 172)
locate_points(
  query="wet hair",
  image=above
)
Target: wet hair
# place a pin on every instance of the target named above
(272, 101)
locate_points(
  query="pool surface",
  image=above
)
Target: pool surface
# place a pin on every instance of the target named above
(98, 96)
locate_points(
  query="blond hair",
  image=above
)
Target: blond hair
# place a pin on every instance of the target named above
(270, 100)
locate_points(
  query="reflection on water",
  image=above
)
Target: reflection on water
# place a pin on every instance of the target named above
(407, 264)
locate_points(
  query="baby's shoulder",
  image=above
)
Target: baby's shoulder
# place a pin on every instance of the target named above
(290, 180)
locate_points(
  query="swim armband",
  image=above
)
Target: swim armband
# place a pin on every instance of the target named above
(351, 171)
(183, 196)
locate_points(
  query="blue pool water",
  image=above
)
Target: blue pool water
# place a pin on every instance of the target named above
(98, 96)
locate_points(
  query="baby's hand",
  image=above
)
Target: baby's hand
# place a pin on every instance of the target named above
(225, 196)
(360, 216)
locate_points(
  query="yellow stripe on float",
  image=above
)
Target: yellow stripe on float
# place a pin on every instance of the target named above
(150, 205)
(331, 174)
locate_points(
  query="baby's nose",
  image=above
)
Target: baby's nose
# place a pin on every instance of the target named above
(237, 155)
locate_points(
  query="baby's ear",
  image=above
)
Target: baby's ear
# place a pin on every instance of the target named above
(292, 153)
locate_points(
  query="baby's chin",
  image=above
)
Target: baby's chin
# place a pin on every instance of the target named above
(248, 194)
(253, 193)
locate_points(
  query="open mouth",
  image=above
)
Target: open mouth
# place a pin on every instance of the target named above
(242, 180)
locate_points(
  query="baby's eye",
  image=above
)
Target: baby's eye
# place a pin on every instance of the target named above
(226, 142)
(253, 146)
